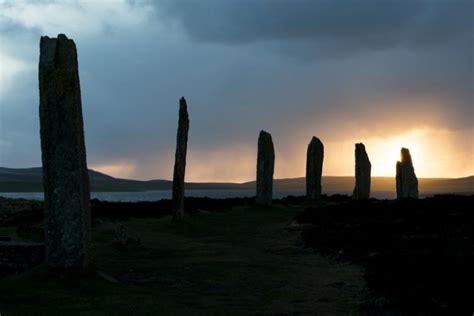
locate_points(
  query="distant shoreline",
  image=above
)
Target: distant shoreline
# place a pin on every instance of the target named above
(31, 180)
(158, 195)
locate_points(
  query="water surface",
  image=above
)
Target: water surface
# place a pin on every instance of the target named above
(166, 194)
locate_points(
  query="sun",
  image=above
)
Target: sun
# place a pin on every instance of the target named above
(385, 152)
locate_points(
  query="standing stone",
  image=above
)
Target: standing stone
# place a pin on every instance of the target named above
(362, 173)
(314, 168)
(65, 177)
(407, 183)
(265, 168)
(180, 161)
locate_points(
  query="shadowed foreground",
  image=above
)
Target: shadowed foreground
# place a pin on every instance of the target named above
(240, 261)
(417, 254)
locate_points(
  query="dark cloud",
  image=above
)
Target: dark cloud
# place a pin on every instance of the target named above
(344, 25)
(250, 65)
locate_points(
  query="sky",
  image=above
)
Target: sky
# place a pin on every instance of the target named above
(389, 73)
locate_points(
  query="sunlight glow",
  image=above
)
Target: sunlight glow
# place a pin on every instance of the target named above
(115, 169)
(385, 152)
(435, 153)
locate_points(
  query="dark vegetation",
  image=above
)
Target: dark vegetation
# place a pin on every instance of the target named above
(14, 212)
(417, 254)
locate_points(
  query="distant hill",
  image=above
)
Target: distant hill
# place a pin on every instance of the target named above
(30, 180)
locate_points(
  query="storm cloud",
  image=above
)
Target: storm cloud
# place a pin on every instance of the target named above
(351, 24)
(344, 71)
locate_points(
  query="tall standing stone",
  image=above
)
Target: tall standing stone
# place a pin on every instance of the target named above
(65, 177)
(314, 168)
(362, 173)
(407, 183)
(180, 161)
(265, 168)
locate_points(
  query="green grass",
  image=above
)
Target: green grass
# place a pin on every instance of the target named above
(238, 262)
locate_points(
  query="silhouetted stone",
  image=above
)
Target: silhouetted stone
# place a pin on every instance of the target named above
(362, 173)
(265, 167)
(65, 177)
(180, 161)
(314, 168)
(407, 183)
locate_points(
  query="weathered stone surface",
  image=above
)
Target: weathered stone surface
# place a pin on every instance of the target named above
(180, 161)
(65, 177)
(265, 168)
(407, 183)
(314, 168)
(362, 173)
(122, 237)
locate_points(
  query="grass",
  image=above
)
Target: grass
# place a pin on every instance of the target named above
(237, 262)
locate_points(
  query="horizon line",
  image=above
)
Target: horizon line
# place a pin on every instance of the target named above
(251, 180)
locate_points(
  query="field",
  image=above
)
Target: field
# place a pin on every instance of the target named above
(333, 257)
(240, 260)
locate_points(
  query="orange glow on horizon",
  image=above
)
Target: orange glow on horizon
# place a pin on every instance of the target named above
(435, 154)
(385, 152)
(115, 169)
